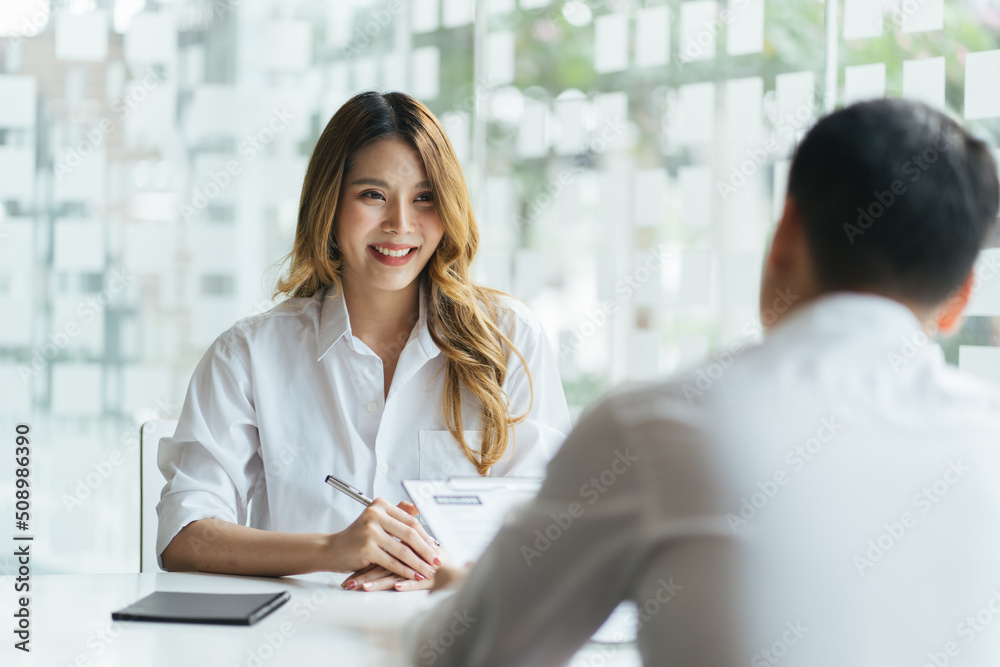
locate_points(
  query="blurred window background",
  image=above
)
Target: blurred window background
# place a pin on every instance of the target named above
(627, 160)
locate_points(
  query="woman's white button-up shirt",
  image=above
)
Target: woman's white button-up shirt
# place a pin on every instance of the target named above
(285, 398)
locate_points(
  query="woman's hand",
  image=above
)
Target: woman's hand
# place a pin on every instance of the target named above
(387, 537)
(377, 578)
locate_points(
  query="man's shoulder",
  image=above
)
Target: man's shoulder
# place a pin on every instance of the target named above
(634, 405)
(963, 389)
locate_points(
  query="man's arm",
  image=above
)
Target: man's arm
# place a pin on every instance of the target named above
(633, 507)
(557, 569)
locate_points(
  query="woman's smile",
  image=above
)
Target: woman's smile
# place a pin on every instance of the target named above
(393, 254)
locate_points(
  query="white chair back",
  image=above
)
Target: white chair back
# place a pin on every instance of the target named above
(150, 486)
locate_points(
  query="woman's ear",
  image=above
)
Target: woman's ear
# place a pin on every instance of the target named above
(949, 317)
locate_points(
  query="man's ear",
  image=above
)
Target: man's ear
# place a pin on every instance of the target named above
(786, 237)
(949, 317)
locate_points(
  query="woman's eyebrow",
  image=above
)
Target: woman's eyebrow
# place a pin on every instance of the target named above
(371, 181)
(378, 182)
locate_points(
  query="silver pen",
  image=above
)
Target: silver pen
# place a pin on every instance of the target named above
(350, 491)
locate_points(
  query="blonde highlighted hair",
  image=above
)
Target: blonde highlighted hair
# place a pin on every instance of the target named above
(462, 317)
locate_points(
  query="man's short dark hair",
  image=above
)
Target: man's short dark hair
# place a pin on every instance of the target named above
(895, 197)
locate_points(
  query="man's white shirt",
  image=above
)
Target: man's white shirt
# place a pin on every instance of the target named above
(829, 497)
(285, 398)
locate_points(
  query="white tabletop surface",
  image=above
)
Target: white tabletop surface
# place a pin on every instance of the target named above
(320, 625)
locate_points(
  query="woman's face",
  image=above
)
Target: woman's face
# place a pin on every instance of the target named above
(387, 223)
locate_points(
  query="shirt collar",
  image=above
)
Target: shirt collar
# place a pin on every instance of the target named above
(848, 313)
(335, 322)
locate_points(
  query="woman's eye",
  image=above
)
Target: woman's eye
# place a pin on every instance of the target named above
(427, 196)
(372, 195)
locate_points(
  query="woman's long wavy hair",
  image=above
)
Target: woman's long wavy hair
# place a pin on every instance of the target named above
(462, 317)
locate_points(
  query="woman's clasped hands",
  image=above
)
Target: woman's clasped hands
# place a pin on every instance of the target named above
(386, 548)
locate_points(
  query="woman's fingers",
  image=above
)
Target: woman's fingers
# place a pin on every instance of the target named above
(408, 507)
(400, 558)
(413, 585)
(380, 579)
(382, 584)
(389, 537)
(354, 576)
(376, 578)
(413, 533)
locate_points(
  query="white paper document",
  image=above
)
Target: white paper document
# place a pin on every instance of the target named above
(465, 513)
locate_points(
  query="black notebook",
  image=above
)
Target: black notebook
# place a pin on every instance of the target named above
(217, 608)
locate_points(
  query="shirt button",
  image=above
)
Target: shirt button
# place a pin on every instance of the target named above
(372, 407)
(384, 468)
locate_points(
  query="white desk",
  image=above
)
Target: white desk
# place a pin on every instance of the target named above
(320, 625)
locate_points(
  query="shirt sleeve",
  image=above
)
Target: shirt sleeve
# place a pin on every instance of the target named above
(557, 568)
(212, 463)
(539, 436)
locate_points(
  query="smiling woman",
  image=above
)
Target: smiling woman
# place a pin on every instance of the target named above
(385, 363)
(397, 206)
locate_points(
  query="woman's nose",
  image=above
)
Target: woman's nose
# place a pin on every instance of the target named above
(398, 218)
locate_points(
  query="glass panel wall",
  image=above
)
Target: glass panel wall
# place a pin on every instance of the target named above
(627, 160)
